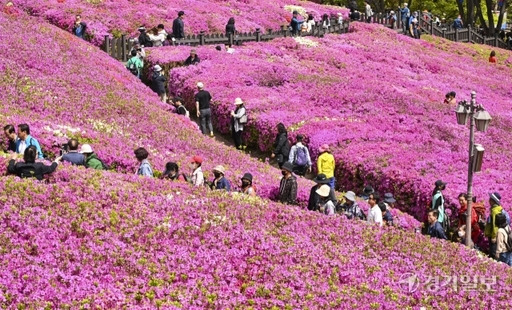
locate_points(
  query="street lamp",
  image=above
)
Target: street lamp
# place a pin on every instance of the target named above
(479, 116)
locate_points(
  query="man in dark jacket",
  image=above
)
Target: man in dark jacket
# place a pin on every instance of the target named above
(73, 156)
(435, 230)
(10, 134)
(288, 185)
(314, 198)
(29, 168)
(295, 23)
(178, 27)
(144, 39)
(158, 83)
(192, 59)
(281, 145)
(79, 27)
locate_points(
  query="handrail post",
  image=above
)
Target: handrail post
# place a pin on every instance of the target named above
(123, 47)
(201, 38)
(107, 44)
(258, 35)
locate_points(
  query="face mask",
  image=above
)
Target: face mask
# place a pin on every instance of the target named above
(216, 174)
(245, 183)
(284, 173)
(461, 233)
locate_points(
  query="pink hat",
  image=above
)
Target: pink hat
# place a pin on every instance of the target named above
(324, 148)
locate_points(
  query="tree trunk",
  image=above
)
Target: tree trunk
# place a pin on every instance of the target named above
(481, 16)
(500, 18)
(471, 12)
(461, 11)
(490, 17)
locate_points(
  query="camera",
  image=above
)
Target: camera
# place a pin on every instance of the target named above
(63, 149)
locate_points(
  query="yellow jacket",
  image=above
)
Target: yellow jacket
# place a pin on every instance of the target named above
(326, 164)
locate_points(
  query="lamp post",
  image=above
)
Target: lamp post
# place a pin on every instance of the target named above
(480, 117)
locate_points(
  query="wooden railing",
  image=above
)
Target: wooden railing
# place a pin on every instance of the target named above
(119, 48)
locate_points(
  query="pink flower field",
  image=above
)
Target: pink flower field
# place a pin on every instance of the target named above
(107, 17)
(375, 96)
(87, 239)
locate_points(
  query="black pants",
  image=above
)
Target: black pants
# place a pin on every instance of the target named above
(299, 170)
(237, 138)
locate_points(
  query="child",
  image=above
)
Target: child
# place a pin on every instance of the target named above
(503, 252)
(326, 206)
(492, 58)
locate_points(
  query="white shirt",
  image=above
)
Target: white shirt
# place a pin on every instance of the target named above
(375, 215)
(22, 146)
(198, 177)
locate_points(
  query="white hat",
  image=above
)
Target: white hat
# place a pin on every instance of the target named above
(157, 68)
(238, 101)
(200, 85)
(324, 190)
(220, 169)
(86, 148)
(350, 195)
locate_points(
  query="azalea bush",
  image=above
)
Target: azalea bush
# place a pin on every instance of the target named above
(103, 240)
(375, 96)
(115, 17)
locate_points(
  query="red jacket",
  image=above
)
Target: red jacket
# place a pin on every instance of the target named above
(475, 229)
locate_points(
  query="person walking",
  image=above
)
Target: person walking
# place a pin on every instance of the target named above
(158, 83)
(288, 185)
(135, 64)
(145, 167)
(404, 14)
(178, 26)
(238, 121)
(326, 164)
(203, 100)
(314, 198)
(295, 23)
(435, 229)
(299, 157)
(503, 244)
(475, 228)
(29, 168)
(375, 213)
(491, 228)
(369, 12)
(230, 27)
(281, 146)
(91, 159)
(438, 202)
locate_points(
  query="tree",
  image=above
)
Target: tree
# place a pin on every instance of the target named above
(477, 7)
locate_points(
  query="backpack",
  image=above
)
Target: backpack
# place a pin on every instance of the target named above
(506, 215)
(133, 68)
(509, 239)
(301, 158)
(480, 213)
(187, 113)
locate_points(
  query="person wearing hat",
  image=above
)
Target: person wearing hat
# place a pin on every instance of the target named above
(91, 159)
(158, 83)
(203, 100)
(368, 189)
(144, 39)
(299, 157)
(387, 217)
(247, 187)
(139, 49)
(326, 164)
(392, 19)
(172, 172)
(145, 167)
(491, 228)
(438, 201)
(197, 177)
(288, 185)
(220, 182)
(313, 196)
(326, 206)
(295, 23)
(238, 120)
(414, 30)
(192, 59)
(351, 208)
(178, 27)
(405, 13)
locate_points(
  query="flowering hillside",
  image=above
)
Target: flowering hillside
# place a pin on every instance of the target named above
(124, 16)
(376, 96)
(81, 92)
(103, 241)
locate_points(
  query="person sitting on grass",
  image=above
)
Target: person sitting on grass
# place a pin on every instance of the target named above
(29, 168)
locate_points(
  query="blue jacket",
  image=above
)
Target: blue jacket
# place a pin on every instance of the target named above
(145, 169)
(405, 13)
(223, 183)
(30, 141)
(75, 158)
(436, 231)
